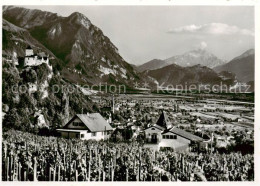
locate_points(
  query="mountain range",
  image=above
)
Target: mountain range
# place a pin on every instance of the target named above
(190, 58)
(195, 57)
(86, 54)
(175, 75)
(242, 66)
(83, 54)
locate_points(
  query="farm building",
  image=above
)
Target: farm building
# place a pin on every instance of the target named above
(87, 126)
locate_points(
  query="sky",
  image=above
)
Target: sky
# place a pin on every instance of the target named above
(143, 33)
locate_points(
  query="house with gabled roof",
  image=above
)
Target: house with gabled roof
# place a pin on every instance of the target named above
(87, 126)
(179, 139)
(153, 133)
(164, 134)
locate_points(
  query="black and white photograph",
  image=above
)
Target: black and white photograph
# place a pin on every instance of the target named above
(97, 93)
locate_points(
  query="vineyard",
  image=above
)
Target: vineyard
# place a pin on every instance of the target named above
(28, 157)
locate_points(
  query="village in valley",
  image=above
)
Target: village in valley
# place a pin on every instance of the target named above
(163, 120)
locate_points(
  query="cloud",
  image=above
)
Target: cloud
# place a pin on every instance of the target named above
(202, 45)
(212, 28)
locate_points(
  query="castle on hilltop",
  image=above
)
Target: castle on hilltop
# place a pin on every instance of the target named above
(32, 59)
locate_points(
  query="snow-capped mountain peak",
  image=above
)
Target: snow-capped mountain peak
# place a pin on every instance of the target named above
(194, 57)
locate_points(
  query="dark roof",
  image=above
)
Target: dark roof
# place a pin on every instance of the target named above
(29, 47)
(94, 122)
(163, 120)
(184, 134)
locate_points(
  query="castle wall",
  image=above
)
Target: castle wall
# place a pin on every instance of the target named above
(34, 61)
(29, 61)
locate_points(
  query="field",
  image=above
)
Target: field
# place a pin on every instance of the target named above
(27, 157)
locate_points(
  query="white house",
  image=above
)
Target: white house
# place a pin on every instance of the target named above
(179, 139)
(153, 133)
(86, 126)
(32, 59)
(164, 134)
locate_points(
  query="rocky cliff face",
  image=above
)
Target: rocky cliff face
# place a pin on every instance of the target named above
(31, 103)
(88, 56)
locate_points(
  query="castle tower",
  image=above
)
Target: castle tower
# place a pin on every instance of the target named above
(29, 51)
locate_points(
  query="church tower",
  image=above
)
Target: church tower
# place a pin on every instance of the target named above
(29, 51)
